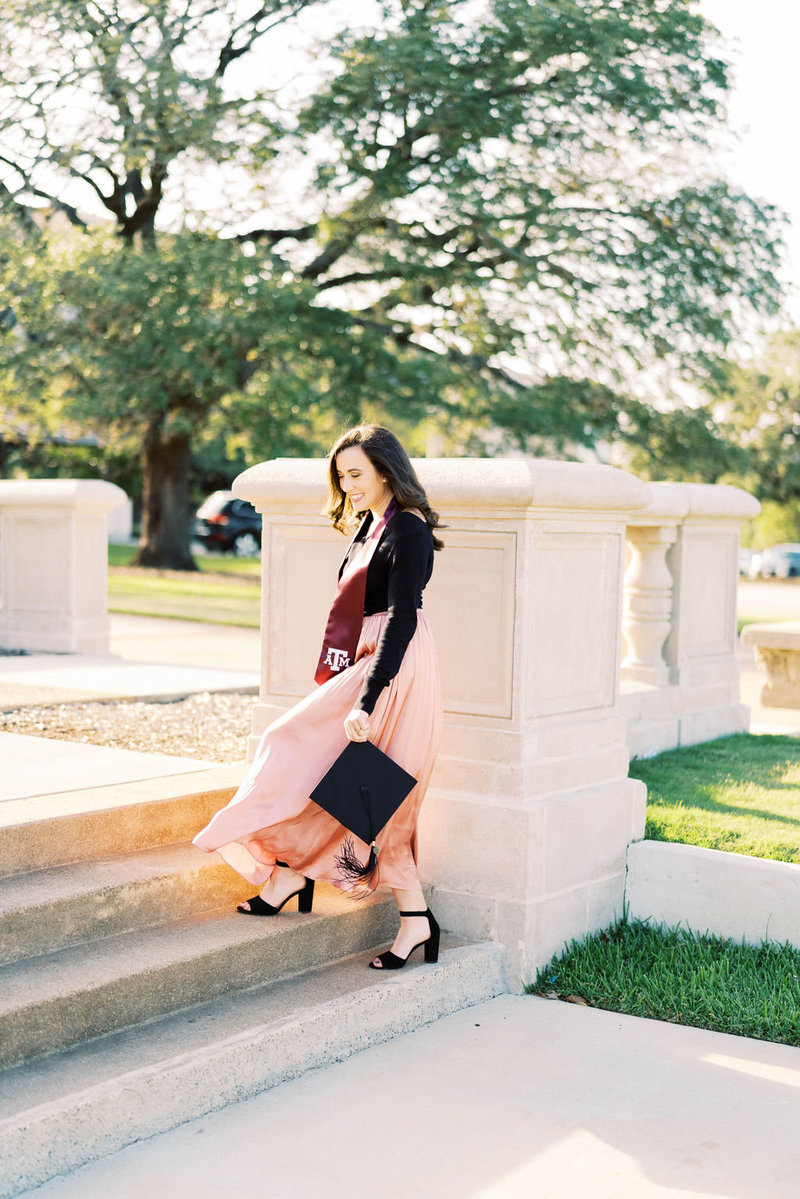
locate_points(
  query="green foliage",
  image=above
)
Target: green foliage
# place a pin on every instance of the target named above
(684, 444)
(760, 407)
(740, 794)
(675, 975)
(774, 524)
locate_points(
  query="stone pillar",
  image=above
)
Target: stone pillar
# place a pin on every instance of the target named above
(680, 677)
(701, 648)
(524, 832)
(54, 564)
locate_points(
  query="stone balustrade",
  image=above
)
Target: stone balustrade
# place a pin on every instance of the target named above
(525, 829)
(680, 675)
(54, 564)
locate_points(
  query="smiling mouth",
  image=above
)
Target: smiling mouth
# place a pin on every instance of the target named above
(356, 499)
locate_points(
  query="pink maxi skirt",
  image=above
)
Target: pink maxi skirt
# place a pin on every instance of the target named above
(271, 816)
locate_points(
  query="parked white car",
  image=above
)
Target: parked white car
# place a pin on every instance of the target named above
(777, 562)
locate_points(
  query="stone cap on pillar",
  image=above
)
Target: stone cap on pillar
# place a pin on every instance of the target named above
(93, 494)
(674, 502)
(488, 483)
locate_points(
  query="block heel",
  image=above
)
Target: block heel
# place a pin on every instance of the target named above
(260, 907)
(392, 961)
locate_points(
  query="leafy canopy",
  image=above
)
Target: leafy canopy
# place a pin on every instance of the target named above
(492, 210)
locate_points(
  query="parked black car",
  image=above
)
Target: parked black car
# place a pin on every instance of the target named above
(229, 525)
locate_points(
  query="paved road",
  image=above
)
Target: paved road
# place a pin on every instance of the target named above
(769, 599)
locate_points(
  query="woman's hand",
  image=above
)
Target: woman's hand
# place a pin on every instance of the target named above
(356, 725)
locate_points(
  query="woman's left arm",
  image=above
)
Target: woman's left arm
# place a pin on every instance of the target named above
(409, 568)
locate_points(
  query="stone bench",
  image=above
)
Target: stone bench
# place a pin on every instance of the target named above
(777, 649)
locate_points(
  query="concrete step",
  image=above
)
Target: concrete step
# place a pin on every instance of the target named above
(72, 826)
(48, 910)
(64, 1110)
(86, 990)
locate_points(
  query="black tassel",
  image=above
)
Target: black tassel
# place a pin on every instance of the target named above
(351, 869)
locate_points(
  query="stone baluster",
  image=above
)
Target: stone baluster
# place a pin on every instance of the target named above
(647, 606)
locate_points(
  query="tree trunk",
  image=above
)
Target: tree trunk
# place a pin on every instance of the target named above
(166, 506)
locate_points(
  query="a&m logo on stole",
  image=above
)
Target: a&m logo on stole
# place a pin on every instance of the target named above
(337, 659)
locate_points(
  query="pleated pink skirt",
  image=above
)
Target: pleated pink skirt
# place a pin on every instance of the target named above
(271, 816)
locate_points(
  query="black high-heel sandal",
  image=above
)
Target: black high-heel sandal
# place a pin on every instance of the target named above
(260, 907)
(391, 961)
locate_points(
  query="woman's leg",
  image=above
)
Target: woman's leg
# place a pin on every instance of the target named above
(413, 929)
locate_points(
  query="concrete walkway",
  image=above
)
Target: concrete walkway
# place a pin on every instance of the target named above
(517, 1098)
(514, 1099)
(150, 659)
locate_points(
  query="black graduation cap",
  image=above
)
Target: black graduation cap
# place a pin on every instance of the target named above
(362, 790)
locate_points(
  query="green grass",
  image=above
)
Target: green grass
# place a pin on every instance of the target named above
(740, 794)
(224, 591)
(675, 975)
(227, 564)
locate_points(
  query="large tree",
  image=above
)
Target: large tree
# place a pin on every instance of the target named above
(495, 210)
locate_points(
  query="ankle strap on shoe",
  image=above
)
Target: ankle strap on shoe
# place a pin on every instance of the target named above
(425, 913)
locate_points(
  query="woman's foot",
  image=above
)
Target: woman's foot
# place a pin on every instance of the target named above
(279, 887)
(417, 928)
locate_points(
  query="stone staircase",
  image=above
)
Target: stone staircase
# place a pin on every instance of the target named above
(133, 997)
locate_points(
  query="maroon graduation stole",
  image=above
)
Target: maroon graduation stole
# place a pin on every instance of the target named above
(347, 611)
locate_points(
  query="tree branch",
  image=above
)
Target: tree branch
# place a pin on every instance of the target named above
(96, 188)
(359, 277)
(332, 253)
(23, 212)
(404, 335)
(252, 30)
(69, 211)
(273, 236)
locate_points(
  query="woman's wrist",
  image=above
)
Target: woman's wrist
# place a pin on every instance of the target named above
(356, 725)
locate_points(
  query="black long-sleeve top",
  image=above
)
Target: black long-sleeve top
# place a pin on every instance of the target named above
(399, 569)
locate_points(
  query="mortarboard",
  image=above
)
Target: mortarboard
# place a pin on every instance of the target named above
(362, 790)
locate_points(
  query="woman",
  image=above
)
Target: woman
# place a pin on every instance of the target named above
(387, 692)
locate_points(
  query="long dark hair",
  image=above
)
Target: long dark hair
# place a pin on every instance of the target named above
(392, 462)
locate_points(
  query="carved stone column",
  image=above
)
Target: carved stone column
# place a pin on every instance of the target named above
(647, 604)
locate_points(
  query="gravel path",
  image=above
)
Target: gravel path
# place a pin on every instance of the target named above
(212, 726)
